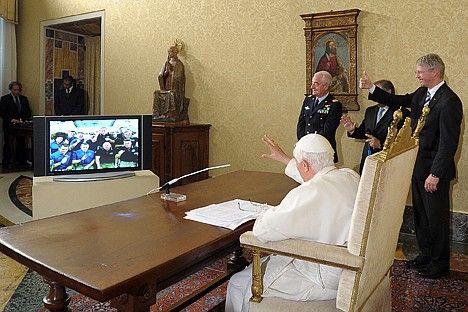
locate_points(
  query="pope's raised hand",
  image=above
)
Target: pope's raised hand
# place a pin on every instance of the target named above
(276, 153)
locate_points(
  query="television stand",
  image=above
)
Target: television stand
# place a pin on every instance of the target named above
(51, 198)
(94, 176)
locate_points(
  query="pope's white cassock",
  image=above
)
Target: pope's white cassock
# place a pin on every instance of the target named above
(317, 210)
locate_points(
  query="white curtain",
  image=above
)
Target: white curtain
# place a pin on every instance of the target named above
(7, 54)
(93, 74)
(7, 62)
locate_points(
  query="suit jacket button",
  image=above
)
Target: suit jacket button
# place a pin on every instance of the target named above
(308, 124)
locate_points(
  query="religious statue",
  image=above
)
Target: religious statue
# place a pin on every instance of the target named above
(170, 103)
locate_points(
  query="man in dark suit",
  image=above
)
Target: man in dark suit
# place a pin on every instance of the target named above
(435, 164)
(69, 100)
(320, 112)
(14, 109)
(374, 127)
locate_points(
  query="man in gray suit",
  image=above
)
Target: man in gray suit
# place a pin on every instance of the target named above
(435, 164)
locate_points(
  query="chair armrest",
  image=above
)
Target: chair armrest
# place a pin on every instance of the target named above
(337, 256)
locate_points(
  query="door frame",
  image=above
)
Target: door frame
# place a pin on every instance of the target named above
(62, 20)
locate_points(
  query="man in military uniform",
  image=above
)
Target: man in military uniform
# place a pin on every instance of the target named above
(321, 112)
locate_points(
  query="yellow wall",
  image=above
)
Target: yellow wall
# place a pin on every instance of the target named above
(245, 62)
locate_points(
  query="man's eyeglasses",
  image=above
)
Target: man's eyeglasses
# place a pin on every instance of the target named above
(419, 72)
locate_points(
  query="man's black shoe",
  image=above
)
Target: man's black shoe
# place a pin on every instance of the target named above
(417, 262)
(432, 272)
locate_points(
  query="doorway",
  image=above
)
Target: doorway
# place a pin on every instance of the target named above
(73, 46)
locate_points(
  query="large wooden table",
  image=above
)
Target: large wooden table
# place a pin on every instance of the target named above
(129, 250)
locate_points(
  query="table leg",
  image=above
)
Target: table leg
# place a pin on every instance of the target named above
(140, 300)
(237, 261)
(11, 142)
(57, 299)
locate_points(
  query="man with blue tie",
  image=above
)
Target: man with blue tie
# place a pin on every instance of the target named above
(435, 163)
(374, 127)
(320, 112)
(14, 109)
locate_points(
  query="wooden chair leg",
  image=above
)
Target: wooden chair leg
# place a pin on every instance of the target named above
(257, 280)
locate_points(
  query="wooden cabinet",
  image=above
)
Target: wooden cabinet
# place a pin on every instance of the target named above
(179, 149)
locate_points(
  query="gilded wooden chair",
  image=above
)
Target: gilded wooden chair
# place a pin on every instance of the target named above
(368, 257)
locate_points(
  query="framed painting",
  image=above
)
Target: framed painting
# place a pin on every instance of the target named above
(331, 46)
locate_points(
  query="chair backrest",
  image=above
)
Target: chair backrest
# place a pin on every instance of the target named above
(378, 214)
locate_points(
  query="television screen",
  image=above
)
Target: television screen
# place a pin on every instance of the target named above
(65, 145)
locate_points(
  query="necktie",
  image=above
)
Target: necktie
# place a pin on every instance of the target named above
(428, 99)
(316, 102)
(18, 104)
(380, 114)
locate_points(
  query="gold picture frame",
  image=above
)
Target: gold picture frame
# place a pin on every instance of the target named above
(331, 45)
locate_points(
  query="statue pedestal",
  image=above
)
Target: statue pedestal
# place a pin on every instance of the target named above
(178, 149)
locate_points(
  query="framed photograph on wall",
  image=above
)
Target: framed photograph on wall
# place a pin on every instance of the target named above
(331, 46)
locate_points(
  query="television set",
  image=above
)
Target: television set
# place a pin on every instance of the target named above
(89, 148)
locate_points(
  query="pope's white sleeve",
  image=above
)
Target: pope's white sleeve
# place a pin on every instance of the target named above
(292, 172)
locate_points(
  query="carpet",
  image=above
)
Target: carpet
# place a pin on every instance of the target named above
(20, 193)
(28, 296)
(409, 293)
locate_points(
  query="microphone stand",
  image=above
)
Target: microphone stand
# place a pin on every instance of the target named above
(167, 195)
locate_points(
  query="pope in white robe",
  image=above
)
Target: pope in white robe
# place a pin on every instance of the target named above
(319, 209)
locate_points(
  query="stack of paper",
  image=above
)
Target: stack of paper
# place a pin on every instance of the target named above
(229, 214)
